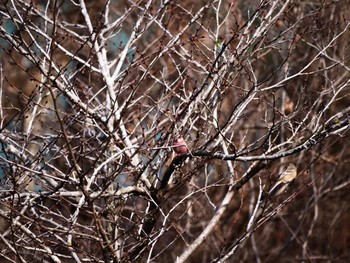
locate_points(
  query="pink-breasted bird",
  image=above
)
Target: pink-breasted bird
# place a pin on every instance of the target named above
(179, 145)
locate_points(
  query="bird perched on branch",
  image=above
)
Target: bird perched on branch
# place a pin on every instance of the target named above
(179, 145)
(284, 180)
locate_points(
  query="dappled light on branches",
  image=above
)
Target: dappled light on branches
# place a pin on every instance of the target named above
(168, 131)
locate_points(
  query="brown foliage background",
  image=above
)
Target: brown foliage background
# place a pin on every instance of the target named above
(93, 95)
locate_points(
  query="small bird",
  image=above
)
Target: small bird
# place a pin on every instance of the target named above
(179, 145)
(285, 179)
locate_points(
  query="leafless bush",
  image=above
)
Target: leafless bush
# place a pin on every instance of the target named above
(96, 97)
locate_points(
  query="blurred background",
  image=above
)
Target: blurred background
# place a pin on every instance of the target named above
(94, 93)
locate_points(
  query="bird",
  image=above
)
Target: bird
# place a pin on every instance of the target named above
(285, 179)
(179, 145)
